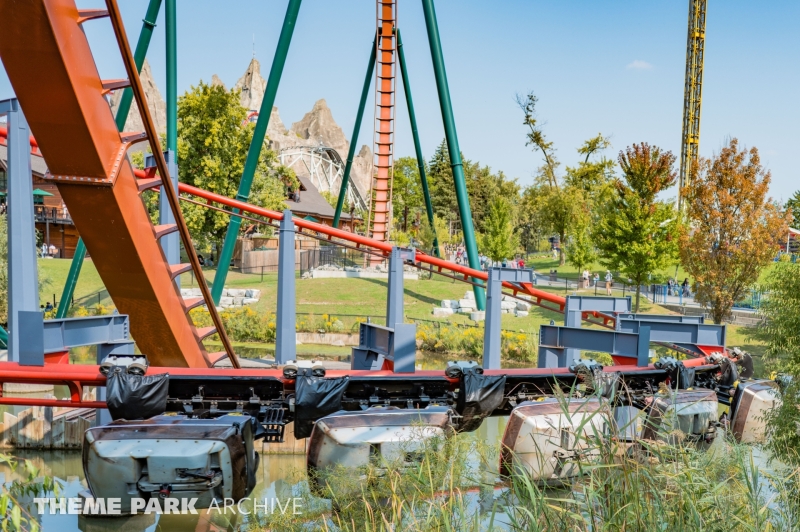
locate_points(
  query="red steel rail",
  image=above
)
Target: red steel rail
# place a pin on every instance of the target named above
(539, 296)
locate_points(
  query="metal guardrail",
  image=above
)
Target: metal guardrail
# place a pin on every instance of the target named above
(53, 215)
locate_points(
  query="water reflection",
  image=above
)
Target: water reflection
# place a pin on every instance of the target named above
(278, 476)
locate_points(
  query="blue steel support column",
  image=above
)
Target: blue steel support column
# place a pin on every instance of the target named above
(394, 300)
(23, 284)
(643, 351)
(286, 325)
(171, 244)
(572, 318)
(491, 332)
(494, 296)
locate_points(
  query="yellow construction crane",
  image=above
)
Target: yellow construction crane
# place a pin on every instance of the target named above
(693, 89)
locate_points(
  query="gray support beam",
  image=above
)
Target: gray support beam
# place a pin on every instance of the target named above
(394, 300)
(494, 296)
(23, 284)
(171, 244)
(64, 334)
(678, 333)
(672, 318)
(111, 334)
(31, 348)
(554, 341)
(575, 306)
(605, 304)
(286, 325)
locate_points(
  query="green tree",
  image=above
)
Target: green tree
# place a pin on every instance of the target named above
(736, 229)
(593, 177)
(794, 204)
(482, 186)
(557, 209)
(212, 148)
(536, 137)
(407, 198)
(443, 190)
(499, 241)
(636, 233)
(428, 234)
(782, 312)
(580, 249)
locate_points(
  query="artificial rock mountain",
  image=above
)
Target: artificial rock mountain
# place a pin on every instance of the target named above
(316, 127)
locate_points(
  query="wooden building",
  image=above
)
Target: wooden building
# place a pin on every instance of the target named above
(52, 217)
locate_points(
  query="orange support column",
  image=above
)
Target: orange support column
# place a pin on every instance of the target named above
(386, 42)
(48, 61)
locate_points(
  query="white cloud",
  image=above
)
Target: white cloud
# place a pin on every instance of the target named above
(639, 65)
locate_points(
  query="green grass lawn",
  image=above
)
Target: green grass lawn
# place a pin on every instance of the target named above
(349, 299)
(53, 276)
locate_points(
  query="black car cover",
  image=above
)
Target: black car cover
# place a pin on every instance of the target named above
(315, 398)
(133, 397)
(480, 396)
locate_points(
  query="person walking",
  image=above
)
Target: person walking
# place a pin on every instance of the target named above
(685, 286)
(609, 280)
(596, 279)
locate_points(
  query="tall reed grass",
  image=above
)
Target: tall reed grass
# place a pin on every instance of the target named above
(453, 485)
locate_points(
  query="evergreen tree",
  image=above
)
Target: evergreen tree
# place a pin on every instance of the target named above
(794, 204)
(443, 190)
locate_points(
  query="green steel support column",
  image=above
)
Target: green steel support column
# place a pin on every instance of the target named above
(142, 45)
(170, 18)
(124, 108)
(354, 139)
(452, 145)
(415, 134)
(72, 280)
(253, 154)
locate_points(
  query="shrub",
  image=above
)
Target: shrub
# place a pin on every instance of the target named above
(469, 341)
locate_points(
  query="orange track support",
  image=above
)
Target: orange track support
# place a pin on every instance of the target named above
(383, 140)
(49, 63)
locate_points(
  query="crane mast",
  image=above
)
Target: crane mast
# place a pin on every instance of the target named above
(693, 90)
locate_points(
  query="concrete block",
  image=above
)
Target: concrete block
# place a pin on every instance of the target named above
(505, 311)
(226, 301)
(249, 301)
(252, 293)
(508, 305)
(520, 313)
(466, 304)
(469, 294)
(478, 315)
(196, 292)
(236, 292)
(463, 310)
(238, 301)
(521, 305)
(442, 312)
(186, 292)
(449, 303)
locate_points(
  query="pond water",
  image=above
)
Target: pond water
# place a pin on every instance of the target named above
(277, 477)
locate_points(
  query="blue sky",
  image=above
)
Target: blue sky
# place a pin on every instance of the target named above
(615, 67)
